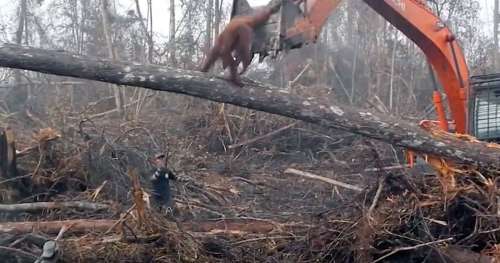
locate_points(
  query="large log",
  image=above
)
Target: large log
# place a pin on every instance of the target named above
(31, 207)
(14, 252)
(53, 227)
(254, 96)
(228, 225)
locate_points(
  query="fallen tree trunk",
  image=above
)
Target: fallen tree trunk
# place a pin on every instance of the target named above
(53, 227)
(228, 226)
(26, 207)
(238, 225)
(254, 96)
(14, 252)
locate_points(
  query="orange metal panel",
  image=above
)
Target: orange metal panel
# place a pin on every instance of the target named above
(318, 12)
(417, 22)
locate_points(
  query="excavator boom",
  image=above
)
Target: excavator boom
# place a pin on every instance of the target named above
(414, 19)
(300, 22)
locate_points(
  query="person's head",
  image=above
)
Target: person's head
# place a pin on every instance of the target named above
(159, 161)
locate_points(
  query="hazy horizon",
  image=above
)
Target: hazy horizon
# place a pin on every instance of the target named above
(161, 10)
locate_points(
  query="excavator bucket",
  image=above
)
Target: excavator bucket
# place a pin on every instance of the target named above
(269, 39)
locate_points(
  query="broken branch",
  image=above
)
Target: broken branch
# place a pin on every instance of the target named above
(412, 248)
(29, 207)
(262, 137)
(53, 227)
(9, 251)
(323, 179)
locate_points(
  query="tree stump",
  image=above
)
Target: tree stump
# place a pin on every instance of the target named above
(8, 165)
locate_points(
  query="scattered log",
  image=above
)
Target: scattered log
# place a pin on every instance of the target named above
(233, 226)
(14, 252)
(220, 226)
(53, 227)
(30, 207)
(10, 182)
(400, 249)
(464, 255)
(253, 140)
(241, 226)
(36, 239)
(387, 168)
(8, 166)
(324, 179)
(254, 96)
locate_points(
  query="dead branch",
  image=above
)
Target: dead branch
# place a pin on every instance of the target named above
(261, 238)
(380, 187)
(254, 96)
(323, 179)
(387, 168)
(228, 226)
(14, 179)
(31, 149)
(291, 83)
(30, 207)
(128, 105)
(121, 220)
(138, 195)
(238, 226)
(464, 255)
(53, 227)
(9, 251)
(397, 250)
(258, 138)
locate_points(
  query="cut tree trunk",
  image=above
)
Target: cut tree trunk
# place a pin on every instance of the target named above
(30, 207)
(53, 227)
(8, 167)
(254, 95)
(9, 184)
(228, 226)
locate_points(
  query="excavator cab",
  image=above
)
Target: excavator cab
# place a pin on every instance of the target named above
(278, 33)
(484, 107)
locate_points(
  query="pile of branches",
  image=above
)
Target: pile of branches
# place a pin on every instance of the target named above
(449, 217)
(413, 220)
(397, 221)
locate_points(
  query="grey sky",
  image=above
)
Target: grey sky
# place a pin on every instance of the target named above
(161, 7)
(160, 11)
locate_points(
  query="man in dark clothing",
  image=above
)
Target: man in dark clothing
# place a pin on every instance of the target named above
(160, 181)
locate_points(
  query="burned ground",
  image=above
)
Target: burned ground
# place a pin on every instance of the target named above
(238, 203)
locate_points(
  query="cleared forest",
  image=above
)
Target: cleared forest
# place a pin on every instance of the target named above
(305, 163)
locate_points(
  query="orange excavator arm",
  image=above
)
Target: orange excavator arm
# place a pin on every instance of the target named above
(414, 19)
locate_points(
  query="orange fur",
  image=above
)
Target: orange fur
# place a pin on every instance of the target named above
(236, 37)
